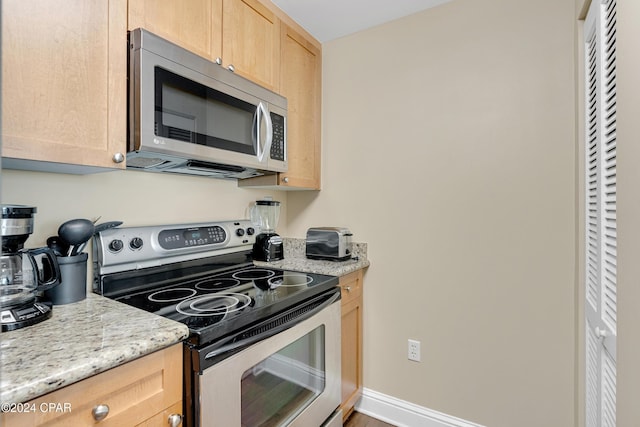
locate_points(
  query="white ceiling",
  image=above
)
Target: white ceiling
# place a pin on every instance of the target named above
(329, 19)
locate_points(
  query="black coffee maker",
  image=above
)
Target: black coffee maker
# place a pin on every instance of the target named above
(268, 246)
(21, 271)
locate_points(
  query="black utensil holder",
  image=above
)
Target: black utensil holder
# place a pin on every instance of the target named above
(73, 280)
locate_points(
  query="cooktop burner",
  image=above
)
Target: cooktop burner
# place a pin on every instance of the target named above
(219, 304)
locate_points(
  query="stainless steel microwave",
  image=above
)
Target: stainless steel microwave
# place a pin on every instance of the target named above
(189, 115)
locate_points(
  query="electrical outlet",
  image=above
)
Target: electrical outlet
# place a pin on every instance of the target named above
(414, 350)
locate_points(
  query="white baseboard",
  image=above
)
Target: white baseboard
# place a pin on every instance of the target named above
(404, 414)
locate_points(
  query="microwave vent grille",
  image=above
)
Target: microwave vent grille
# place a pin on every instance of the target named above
(145, 162)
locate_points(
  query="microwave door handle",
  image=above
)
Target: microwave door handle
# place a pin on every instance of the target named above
(257, 118)
(269, 136)
(263, 147)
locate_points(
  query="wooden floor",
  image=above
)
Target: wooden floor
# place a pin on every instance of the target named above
(360, 420)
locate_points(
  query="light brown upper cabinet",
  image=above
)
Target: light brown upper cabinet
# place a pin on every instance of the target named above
(64, 94)
(300, 83)
(251, 41)
(195, 25)
(64, 84)
(243, 34)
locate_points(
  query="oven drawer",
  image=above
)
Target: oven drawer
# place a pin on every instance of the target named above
(350, 287)
(134, 393)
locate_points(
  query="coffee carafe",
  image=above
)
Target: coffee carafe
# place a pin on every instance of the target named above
(22, 279)
(264, 216)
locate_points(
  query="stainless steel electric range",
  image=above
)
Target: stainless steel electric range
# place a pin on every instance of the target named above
(264, 343)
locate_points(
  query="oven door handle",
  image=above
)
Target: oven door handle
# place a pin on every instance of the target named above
(268, 333)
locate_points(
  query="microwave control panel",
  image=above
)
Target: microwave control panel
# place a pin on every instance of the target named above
(278, 145)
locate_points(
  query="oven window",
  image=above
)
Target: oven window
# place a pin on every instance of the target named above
(277, 389)
(190, 112)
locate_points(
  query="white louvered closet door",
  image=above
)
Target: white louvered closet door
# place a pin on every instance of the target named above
(601, 245)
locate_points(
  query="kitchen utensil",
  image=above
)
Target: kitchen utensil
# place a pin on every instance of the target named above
(98, 229)
(77, 249)
(57, 245)
(73, 284)
(106, 225)
(76, 231)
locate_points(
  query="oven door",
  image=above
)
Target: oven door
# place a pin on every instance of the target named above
(291, 378)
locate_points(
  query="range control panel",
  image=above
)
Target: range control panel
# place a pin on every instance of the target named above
(190, 237)
(132, 248)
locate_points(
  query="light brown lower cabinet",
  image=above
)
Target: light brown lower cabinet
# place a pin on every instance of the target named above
(351, 292)
(144, 392)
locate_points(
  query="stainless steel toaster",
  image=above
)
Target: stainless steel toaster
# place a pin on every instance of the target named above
(329, 243)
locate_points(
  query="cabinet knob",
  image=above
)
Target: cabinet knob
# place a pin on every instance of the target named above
(175, 420)
(100, 412)
(285, 179)
(218, 61)
(118, 158)
(347, 288)
(231, 68)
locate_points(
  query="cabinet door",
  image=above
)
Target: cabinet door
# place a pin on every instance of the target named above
(251, 41)
(195, 25)
(64, 81)
(301, 85)
(351, 287)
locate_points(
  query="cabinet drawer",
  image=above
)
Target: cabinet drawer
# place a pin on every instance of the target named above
(134, 392)
(351, 287)
(162, 419)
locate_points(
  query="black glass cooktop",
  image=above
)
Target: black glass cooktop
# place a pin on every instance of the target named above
(216, 304)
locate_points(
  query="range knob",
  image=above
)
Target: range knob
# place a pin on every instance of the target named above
(116, 245)
(250, 231)
(240, 232)
(136, 243)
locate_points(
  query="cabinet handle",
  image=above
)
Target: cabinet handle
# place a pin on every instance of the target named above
(231, 68)
(285, 179)
(347, 288)
(100, 412)
(118, 158)
(218, 61)
(175, 420)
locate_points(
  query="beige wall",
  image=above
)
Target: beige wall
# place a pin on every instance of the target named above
(136, 198)
(449, 146)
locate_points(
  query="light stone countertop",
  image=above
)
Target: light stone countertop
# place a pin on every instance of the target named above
(79, 340)
(295, 259)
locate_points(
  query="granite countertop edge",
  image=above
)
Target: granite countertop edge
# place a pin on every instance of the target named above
(80, 340)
